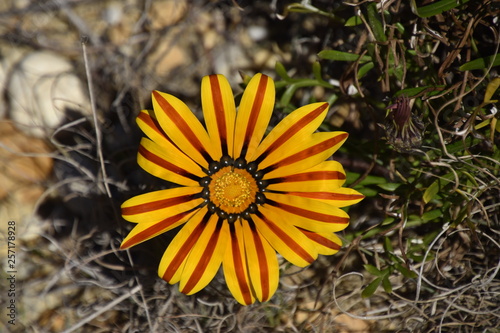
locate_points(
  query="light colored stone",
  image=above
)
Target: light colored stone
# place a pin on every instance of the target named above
(40, 89)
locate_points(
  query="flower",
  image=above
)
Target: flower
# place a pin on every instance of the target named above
(403, 129)
(242, 197)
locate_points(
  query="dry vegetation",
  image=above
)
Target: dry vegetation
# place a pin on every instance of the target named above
(422, 253)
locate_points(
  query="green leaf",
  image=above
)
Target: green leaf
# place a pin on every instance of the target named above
(342, 56)
(368, 180)
(371, 288)
(439, 7)
(373, 270)
(491, 89)
(437, 186)
(410, 92)
(432, 215)
(281, 71)
(391, 187)
(388, 245)
(375, 22)
(406, 272)
(365, 69)
(353, 21)
(387, 285)
(481, 63)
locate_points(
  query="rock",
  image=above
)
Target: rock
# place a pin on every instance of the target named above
(42, 88)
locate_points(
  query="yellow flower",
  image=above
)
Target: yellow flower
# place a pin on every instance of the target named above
(242, 197)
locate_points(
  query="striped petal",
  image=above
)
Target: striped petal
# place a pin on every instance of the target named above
(149, 125)
(295, 128)
(253, 115)
(219, 111)
(340, 197)
(184, 129)
(309, 214)
(205, 257)
(168, 163)
(286, 239)
(295, 158)
(159, 211)
(235, 266)
(261, 261)
(327, 243)
(174, 259)
(325, 176)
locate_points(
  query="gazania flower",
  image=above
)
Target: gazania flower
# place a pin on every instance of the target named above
(403, 129)
(242, 197)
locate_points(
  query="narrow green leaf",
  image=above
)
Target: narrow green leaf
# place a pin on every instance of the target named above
(373, 270)
(388, 245)
(387, 285)
(365, 69)
(491, 89)
(342, 56)
(375, 22)
(353, 21)
(391, 187)
(437, 186)
(316, 69)
(481, 63)
(406, 272)
(281, 71)
(439, 7)
(410, 92)
(431, 215)
(371, 288)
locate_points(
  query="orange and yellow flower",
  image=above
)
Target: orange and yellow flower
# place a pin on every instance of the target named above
(242, 196)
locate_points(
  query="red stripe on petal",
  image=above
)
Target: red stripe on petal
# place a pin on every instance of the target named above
(310, 151)
(254, 114)
(326, 195)
(219, 111)
(155, 228)
(155, 205)
(293, 130)
(320, 239)
(153, 124)
(238, 266)
(165, 164)
(181, 124)
(204, 260)
(308, 176)
(309, 213)
(289, 241)
(263, 267)
(185, 249)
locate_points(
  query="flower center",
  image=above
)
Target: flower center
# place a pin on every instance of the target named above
(232, 189)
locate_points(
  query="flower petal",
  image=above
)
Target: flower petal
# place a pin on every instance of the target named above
(235, 266)
(295, 158)
(286, 239)
(219, 111)
(261, 261)
(340, 197)
(327, 243)
(253, 115)
(168, 163)
(149, 125)
(326, 176)
(309, 214)
(174, 259)
(295, 128)
(184, 129)
(158, 212)
(205, 257)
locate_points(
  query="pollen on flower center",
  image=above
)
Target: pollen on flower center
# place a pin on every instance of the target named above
(232, 190)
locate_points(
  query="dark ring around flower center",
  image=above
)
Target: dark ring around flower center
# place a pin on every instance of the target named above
(233, 189)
